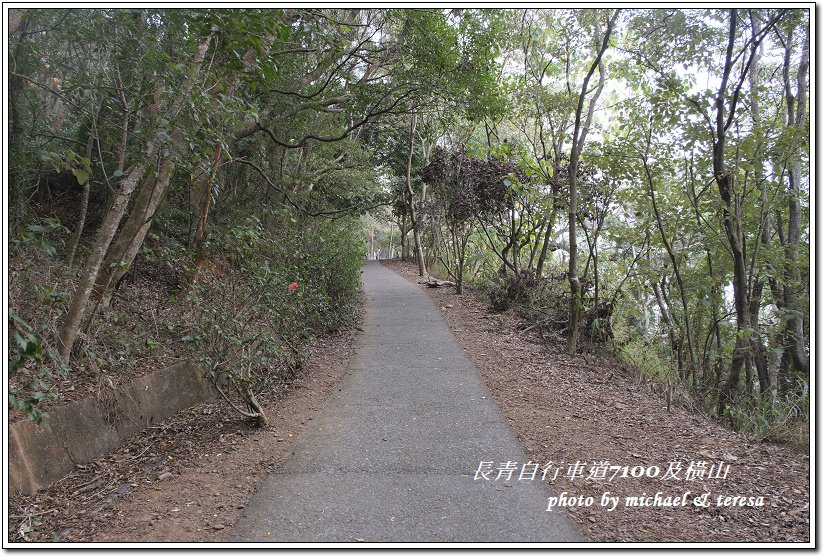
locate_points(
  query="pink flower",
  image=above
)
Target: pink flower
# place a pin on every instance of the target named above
(293, 287)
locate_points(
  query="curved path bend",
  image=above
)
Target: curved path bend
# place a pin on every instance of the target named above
(392, 455)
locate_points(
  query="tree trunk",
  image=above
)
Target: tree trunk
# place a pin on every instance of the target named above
(417, 221)
(732, 228)
(759, 352)
(794, 338)
(151, 194)
(18, 24)
(404, 237)
(460, 237)
(667, 318)
(202, 199)
(84, 205)
(578, 138)
(419, 256)
(676, 268)
(715, 295)
(71, 322)
(731, 203)
(124, 250)
(547, 240)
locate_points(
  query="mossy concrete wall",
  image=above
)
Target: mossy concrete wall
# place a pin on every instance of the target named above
(84, 430)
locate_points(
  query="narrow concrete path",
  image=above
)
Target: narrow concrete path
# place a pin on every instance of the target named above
(392, 456)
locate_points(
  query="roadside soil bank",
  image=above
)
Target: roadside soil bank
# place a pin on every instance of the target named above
(188, 478)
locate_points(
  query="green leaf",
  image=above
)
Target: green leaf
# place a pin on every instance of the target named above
(81, 175)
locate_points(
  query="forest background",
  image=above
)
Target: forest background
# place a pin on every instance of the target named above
(205, 183)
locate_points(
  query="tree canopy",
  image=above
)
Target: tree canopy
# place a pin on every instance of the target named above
(633, 178)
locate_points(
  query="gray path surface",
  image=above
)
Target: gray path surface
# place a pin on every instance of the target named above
(392, 456)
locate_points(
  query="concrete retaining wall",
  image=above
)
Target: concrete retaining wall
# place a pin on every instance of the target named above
(86, 429)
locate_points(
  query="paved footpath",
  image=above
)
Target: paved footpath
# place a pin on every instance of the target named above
(392, 455)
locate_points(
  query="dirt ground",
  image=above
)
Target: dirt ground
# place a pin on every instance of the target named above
(187, 479)
(590, 410)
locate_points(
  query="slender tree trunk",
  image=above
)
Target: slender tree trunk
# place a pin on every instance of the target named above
(759, 353)
(597, 294)
(18, 25)
(122, 253)
(124, 124)
(731, 203)
(419, 255)
(84, 204)
(71, 323)
(433, 246)
(665, 315)
(202, 197)
(514, 232)
(732, 228)
(403, 231)
(759, 350)
(463, 238)
(715, 295)
(794, 337)
(550, 226)
(673, 259)
(151, 194)
(417, 222)
(578, 138)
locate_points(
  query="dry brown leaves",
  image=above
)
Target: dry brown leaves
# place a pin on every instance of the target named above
(187, 479)
(589, 409)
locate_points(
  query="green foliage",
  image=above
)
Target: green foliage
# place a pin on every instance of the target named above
(41, 236)
(775, 417)
(28, 526)
(330, 273)
(30, 358)
(507, 291)
(298, 121)
(256, 322)
(68, 160)
(27, 357)
(646, 358)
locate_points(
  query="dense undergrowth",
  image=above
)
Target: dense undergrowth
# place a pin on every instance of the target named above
(246, 310)
(278, 291)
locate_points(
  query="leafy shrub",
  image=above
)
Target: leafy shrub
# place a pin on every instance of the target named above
(30, 358)
(40, 235)
(257, 319)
